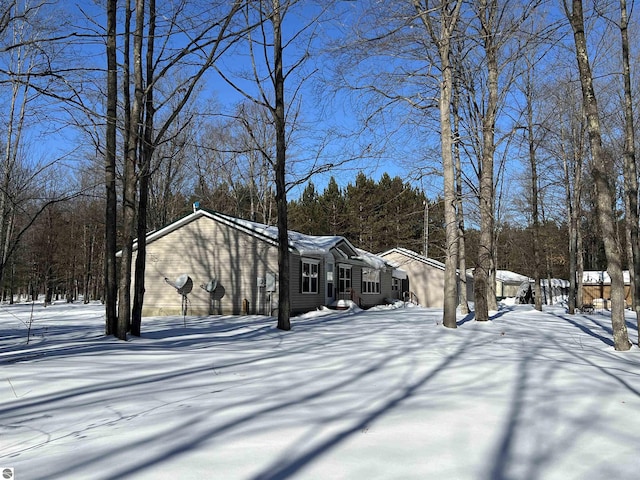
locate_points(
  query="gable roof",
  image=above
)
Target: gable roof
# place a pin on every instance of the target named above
(413, 256)
(299, 242)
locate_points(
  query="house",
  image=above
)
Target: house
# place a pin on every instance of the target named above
(425, 277)
(596, 287)
(210, 263)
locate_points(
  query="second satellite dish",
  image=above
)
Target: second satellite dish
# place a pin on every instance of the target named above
(210, 286)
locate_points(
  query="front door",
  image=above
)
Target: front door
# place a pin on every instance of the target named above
(330, 290)
(344, 282)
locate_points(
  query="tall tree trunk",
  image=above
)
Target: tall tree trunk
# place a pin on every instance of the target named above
(284, 295)
(484, 298)
(448, 16)
(145, 173)
(535, 217)
(111, 286)
(573, 189)
(130, 183)
(451, 226)
(579, 266)
(603, 190)
(462, 260)
(630, 169)
(89, 243)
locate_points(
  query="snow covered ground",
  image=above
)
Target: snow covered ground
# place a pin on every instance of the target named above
(384, 394)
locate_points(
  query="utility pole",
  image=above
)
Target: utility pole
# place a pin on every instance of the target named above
(426, 228)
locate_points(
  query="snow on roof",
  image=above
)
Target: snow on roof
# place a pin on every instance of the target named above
(302, 243)
(597, 277)
(311, 244)
(507, 276)
(372, 260)
(414, 256)
(555, 282)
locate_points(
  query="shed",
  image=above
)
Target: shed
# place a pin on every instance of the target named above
(596, 284)
(424, 282)
(508, 283)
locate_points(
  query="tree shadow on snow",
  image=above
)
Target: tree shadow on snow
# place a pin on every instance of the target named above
(584, 328)
(313, 387)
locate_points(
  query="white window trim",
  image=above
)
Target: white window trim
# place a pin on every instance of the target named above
(310, 261)
(345, 266)
(370, 287)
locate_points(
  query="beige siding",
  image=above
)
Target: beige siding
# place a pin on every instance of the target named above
(425, 282)
(206, 249)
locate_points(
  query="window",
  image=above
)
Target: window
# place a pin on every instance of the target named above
(344, 278)
(395, 284)
(310, 276)
(370, 280)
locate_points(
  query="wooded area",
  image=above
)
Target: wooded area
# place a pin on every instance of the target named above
(488, 134)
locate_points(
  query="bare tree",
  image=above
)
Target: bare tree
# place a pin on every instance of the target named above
(273, 64)
(570, 151)
(132, 136)
(630, 168)
(279, 120)
(530, 129)
(488, 14)
(30, 86)
(462, 254)
(236, 157)
(206, 42)
(440, 31)
(111, 285)
(599, 171)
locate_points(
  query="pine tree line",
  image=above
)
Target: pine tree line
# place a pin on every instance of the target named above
(373, 215)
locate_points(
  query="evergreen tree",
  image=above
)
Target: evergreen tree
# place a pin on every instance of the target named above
(332, 208)
(305, 215)
(361, 207)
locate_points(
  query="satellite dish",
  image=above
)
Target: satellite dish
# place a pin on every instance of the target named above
(184, 284)
(211, 286)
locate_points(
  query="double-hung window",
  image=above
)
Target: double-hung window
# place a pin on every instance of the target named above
(370, 280)
(310, 275)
